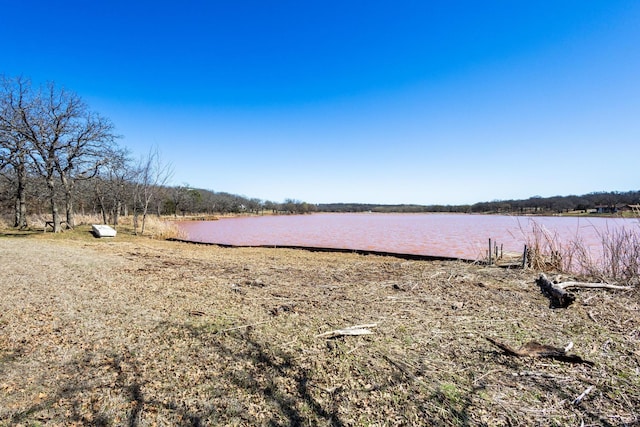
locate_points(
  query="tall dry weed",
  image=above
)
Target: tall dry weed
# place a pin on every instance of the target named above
(544, 249)
(617, 258)
(161, 228)
(5, 222)
(155, 227)
(81, 219)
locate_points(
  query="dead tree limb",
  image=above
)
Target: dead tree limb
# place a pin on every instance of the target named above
(534, 349)
(568, 285)
(559, 296)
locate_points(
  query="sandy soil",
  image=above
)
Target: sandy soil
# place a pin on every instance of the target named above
(143, 332)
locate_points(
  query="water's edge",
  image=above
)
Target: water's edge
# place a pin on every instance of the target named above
(413, 257)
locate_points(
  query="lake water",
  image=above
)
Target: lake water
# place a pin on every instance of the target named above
(447, 235)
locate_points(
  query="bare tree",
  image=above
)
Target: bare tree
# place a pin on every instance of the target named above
(14, 146)
(152, 173)
(111, 184)
(179, 198)
(66, 141)
(80, 139)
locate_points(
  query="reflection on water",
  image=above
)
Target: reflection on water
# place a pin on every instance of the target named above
(450, 235)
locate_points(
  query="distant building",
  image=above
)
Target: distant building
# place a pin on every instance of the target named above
(610, 209)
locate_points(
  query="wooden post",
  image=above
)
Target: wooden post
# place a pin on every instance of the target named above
(524, 258)
(490, 251)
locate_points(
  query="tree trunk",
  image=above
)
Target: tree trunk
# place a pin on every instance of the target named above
(57, 228)
(21, 209)
(21, 195)
(54, 206)
(68, 200)
(69, 209)
(144, 220)
(16, 220)
(135, 213)
(135, 221)
(103, 210)
(145, 210)
(116, 212)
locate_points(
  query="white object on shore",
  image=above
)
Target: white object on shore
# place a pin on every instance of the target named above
(351, 330)
(102, 230)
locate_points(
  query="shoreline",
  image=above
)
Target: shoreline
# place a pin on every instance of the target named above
(399, 255)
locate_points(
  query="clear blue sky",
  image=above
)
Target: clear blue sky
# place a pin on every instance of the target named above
(425, 102)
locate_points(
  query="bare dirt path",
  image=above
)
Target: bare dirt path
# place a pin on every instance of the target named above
(144, 332)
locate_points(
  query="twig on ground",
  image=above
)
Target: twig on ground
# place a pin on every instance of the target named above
(578, 399)
(242, 326)
(535, 374)
(197, 313)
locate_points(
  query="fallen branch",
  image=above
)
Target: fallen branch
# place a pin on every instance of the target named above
(351, 330)
(567, 285)
(559, 296)
(405, 368)
(534, 349)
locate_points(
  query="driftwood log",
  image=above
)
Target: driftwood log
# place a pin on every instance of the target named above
(558, 294)
(534, 349)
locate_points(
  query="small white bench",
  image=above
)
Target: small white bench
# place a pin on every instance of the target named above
(101, 230)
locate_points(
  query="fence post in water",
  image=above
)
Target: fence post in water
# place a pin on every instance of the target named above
(490, 250)
(524, 258)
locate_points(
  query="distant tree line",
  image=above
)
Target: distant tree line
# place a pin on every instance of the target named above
(58, 158)
(604, 201)
(597, 201)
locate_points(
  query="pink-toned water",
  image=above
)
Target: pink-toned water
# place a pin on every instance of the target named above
(447, 235)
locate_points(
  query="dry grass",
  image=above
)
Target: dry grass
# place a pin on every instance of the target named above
(620, 260)
(544, 248)
(155, 227)
(616, 260)
(134, 331)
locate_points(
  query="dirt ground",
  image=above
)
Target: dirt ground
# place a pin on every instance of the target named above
(146, 332)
